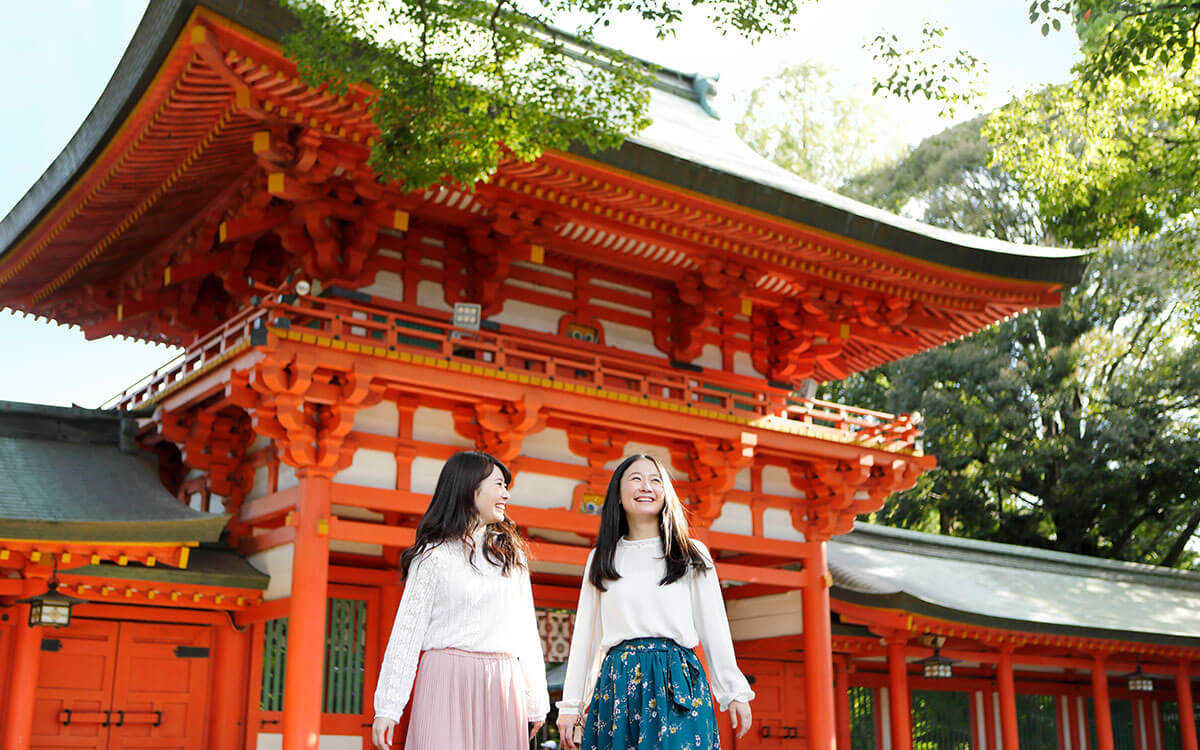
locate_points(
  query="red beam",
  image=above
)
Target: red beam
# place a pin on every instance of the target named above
(272, 610)
(269, 506)
(262, 542)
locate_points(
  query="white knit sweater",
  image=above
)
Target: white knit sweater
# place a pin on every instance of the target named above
(449, 602)
(688, 611)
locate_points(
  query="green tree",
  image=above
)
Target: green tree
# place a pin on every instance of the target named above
(801, 119)
(1074, 428)
(462, 83)
(1113, 153)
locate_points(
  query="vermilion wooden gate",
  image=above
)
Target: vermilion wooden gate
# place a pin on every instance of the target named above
(779, 709)
(106, 685)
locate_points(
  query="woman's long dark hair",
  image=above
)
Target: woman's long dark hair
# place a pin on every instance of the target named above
(451, 514)
(680, 552)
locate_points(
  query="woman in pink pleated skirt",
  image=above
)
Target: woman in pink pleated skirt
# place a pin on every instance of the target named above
(465, 644)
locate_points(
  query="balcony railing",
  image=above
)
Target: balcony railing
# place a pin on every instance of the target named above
(376, 327)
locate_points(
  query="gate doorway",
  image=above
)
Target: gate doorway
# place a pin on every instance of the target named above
(105, 685)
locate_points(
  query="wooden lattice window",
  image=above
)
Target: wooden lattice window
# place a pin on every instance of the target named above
(862, 718)
(345, 658)
(273, 663)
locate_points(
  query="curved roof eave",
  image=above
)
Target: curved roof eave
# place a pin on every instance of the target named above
(149, 47)
(1014, 588)
(905, 602)
(687, 153)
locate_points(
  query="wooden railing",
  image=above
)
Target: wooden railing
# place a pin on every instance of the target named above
(376, 326)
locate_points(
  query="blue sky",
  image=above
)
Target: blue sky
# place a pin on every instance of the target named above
(58, 56)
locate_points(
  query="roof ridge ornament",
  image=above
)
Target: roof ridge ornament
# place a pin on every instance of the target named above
(705, 88)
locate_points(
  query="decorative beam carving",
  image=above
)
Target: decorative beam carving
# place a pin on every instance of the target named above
(306, 409)
(713, 466)
(499, 429)
(598, 446)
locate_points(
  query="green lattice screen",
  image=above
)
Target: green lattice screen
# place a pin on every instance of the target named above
(862, 718)
(941, 720)
(345, 658)
(1037, 724)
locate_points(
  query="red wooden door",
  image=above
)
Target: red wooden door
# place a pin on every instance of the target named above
(75, 677)
(160, 690)
(106, 685)
(779, 710)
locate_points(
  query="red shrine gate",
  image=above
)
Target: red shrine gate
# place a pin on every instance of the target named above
(631, 301)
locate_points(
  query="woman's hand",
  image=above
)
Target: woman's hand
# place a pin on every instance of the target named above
(740, 717)
(566, 722)
(381, 732)
(534, 726)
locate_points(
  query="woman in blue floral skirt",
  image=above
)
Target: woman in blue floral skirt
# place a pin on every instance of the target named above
(650, 594)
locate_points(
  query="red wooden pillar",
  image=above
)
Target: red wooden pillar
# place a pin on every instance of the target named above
(22, 681)
(842, 684)
(306, 614)
(1104, 730)
(900, 706)
(1008, 701)
(818, 649)
(389, 602)
(1187, 713)
(230, 683)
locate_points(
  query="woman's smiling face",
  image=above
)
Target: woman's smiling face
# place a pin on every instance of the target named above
(491, 498)
(643, 491)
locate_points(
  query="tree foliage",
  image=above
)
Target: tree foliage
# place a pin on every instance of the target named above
(462, 83)
(801, 119)
(1114, 152)
(1075, 428)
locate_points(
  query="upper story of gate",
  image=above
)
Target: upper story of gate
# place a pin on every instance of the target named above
(208, 172)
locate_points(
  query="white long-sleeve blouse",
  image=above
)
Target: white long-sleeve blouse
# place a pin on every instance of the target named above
(688, 611)
(451, 602)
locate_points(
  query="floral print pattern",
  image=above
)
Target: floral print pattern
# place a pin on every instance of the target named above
(652, 694)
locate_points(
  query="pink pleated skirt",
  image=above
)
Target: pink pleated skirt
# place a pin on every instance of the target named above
(467, 700)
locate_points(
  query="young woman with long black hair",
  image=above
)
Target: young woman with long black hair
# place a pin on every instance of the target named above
(650, 594)
(467, 604)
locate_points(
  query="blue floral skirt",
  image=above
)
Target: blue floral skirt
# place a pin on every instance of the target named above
(652, 694)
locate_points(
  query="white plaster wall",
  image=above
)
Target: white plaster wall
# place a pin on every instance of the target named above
(429, 294)
(356, 548)
(558, 569)
(387, 284)
(326, 742)
(380, 419)
(735, 518)
(742, 481)
(425, 474)
(277, 563)
(766, 616)
(542, 490)
(777, 524)
(437, 426)
(524, 315)
(550, 444)
(287, 476)
(262, 483)
(710, 356)
(775, 481)
(370, 468)
(743, 364)
(658, 451)
(629, 338)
